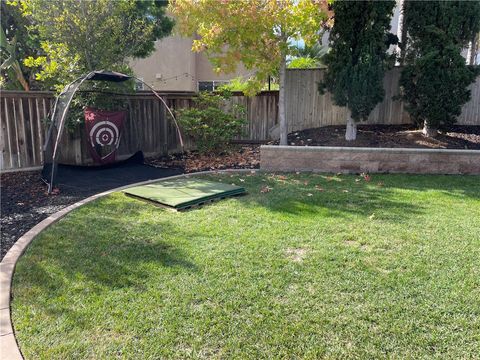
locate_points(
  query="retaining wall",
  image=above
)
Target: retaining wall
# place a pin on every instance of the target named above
(372, 160)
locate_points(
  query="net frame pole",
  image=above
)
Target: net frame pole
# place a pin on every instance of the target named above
(169, 110)
(61, 125)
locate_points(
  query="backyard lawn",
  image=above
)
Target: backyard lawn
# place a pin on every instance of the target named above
(304, 266)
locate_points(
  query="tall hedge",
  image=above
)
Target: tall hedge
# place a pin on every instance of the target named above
(357, 59)
(435, 78)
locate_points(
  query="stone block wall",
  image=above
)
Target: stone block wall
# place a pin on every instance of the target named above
(372, 160)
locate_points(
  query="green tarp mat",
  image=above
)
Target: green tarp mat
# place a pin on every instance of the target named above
(184, 192)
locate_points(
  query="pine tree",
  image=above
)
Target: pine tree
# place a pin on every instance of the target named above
(357, 59)
(435, 78)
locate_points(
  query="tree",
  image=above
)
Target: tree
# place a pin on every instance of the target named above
(435, 78)
(357, 58)
(257, 33)
(16, 43)
(303, 63)
(308, 57)
(83, 35)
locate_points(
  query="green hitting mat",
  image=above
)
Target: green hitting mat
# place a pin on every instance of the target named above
(183, 193)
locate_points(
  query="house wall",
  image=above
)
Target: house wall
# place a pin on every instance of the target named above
(174, 67)
(171, 60)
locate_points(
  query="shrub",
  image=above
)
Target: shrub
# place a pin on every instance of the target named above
(435, 78)
(358, 57)
(212, 122)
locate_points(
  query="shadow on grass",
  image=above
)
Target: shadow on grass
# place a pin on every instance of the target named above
(117, 254)
(392, 197)
(90, 256)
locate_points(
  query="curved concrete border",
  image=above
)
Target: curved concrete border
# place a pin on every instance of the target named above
(8, 343)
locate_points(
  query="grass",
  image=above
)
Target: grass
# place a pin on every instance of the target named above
(314, 266)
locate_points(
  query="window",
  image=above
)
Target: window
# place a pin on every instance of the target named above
(205, 86)
(210, 85)
(139, 86)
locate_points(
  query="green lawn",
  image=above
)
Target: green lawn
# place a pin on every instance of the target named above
(311, 266)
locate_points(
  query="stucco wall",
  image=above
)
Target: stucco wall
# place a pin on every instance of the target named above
(180, 68)
(204, 70)
(172, 57)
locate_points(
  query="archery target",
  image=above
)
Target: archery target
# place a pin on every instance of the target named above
(104, 133)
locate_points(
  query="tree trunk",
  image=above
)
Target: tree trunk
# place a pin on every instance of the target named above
(19, 74)
(281, 102)
(351, 131)
(402, 35)
(472, 50)
(428, 131)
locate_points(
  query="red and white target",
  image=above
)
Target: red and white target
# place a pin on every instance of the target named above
(104, 130)
(104, 133)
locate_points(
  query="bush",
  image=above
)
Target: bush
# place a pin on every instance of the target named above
(435, 78)
(211, 122)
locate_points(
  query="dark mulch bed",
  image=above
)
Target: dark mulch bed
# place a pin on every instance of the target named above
(24, 202)
(389, 136)
(237, 157)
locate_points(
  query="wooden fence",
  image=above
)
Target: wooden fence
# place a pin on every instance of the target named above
(306, 108)
(147, 128)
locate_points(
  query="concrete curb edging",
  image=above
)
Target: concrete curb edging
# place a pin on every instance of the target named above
(8, 344)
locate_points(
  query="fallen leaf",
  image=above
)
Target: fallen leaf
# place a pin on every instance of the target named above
(265, 189)
(309, 194)
(305, 183)
(344, 190)
(319, 188)
(365, 176)
(371, 216)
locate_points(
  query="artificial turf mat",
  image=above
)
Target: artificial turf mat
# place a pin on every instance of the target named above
(184, 192)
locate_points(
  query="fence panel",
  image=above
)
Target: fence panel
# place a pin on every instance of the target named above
(149, 127)
(22, 128)
(307, 108)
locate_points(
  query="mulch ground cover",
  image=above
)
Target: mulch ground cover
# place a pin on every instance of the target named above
(389, 136)
(237, 157)
(24, 201)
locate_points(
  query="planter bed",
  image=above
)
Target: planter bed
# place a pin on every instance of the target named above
(389, 136)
